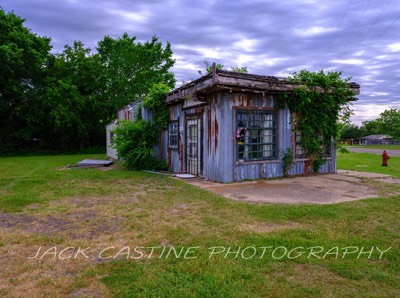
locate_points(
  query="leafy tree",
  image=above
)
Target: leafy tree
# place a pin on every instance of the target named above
(352, 131)
(23, 55)
(131, 68)
(371, 127)
(76, 110)
(316, 104)
(389, 123)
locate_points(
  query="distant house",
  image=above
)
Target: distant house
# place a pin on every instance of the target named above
(375, 140)
(230, 126)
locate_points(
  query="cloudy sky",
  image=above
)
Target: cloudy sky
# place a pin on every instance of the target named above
(269, 37)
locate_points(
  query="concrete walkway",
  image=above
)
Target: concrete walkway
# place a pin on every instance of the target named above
(314, 189)
(375, 151)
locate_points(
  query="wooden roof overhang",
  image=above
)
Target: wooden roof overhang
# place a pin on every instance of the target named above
(220, 80)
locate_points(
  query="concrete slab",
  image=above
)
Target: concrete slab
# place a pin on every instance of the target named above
(94, 163)
(315, 189)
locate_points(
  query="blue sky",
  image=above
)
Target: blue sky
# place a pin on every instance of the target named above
(359, 37)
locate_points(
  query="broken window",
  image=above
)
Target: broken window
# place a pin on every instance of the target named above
(173, 135)
(256, 135)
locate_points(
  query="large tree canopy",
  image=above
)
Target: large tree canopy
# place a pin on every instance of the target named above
(64, 101)
(389, 123)
(22, 57)
(72, 99)
(132, 68)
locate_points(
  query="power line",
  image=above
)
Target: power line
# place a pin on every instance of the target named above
(377, 39)
(340, 24)
(354, 29)
(374, 22)
(386, 30)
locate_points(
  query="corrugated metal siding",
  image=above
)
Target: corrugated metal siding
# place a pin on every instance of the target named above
(218, 131)
(218, 139)
(174, 157)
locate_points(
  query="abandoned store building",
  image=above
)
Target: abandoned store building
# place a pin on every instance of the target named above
(229, 126)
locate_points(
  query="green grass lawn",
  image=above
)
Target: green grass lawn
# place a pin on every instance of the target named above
(124, 213)
(368, 162)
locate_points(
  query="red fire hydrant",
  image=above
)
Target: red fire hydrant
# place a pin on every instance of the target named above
(385, 158)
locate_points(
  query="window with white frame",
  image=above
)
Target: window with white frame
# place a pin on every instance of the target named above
(256, 135)
(173, 135)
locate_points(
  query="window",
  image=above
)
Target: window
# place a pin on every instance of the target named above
(328, 149)
(299, 151)
(256, 135)
(173, 135)
(111, 137)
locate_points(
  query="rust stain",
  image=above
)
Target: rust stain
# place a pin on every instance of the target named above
(212, 135)
(216, 133)
(240, 101)
(307, 167)
(169, 159)
(209, 130)
(249, 100)
(180, 152)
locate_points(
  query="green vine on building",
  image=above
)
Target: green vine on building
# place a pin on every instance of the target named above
(317, 105)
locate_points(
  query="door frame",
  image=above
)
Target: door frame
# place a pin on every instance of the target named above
(199, 168)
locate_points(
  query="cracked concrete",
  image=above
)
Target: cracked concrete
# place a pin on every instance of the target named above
(313, 189)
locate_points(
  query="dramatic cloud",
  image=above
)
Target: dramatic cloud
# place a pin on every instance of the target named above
(357, 37)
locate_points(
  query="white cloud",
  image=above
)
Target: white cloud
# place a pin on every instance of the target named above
(246, 44)
(140, 17)
(349, 61)
(394, 47)
(311, 31)
(373, 94)
(366, 112)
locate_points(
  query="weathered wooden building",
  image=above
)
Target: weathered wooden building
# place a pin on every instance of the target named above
(230, 126)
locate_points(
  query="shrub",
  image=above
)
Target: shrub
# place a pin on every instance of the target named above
(134, 142)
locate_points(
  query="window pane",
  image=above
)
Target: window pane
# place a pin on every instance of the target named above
(173, 135)
(256, 135)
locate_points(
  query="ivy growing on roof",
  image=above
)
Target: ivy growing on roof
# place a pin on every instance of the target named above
(317, 104)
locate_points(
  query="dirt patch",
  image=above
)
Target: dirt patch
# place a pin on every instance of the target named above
(83, 224)
(261, 228)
